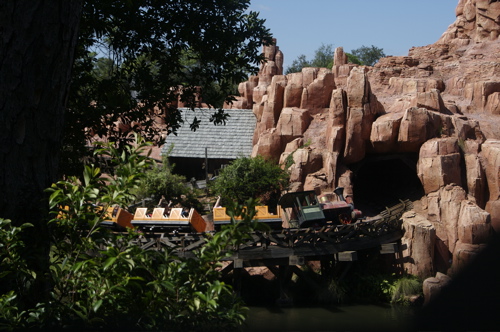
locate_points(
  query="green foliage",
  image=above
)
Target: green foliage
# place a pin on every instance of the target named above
(247, 178)
(133, 55)
(368, 55)
(289, 159)
(380, 287)
(15, 276)
(160, 181)
(461, 144)
(368, 284)
(102, 280)
(323, 57)
(404, 288)
(298, 64)
(353, 59)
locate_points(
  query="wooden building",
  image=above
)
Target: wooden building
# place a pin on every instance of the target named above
(205, 151)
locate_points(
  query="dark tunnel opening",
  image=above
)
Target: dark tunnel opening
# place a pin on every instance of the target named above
(380, 181)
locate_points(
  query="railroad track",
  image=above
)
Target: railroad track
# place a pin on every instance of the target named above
(359, 234)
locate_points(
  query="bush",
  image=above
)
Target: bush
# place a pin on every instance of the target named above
(405, 288)
(104, 280)
(247, 178)
(160, 181)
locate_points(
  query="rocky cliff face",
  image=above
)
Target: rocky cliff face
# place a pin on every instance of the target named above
(423, 126)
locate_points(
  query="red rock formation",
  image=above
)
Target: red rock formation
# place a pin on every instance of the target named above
(441, 102)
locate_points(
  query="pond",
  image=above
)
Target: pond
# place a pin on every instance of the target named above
(331, 318)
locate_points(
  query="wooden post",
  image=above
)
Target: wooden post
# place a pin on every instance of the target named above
(237, 272)
(206, 170)
(284, 277)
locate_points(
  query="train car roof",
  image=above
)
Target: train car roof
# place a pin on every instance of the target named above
(289, 199)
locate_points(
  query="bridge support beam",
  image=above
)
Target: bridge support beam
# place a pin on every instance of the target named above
(284, 277)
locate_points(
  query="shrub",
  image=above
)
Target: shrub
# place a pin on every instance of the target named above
(255, 178)
(160, 181)
(103, 280)
(404, 288)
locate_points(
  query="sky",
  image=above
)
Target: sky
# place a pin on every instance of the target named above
(302, 26)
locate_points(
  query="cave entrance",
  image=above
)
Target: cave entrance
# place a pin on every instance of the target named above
(382, 180)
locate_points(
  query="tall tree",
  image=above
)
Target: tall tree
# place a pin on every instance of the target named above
(368, 55)
(298, 64)
(323, 57)
(152, 47)
(148, 39)
(38, 40)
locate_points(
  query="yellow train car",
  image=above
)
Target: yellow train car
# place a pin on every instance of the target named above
(176, 218)
(274, 220)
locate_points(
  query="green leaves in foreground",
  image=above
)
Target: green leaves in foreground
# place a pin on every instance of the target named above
(102, 280)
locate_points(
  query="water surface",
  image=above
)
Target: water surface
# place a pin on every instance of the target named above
(331, 318)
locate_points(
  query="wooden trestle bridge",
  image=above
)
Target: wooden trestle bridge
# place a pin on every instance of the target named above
(283, 251)
(293, 246)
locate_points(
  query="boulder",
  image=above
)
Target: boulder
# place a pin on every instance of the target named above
(478, 94)
(430, 100)
(305, 161)
(316, 133)
(493, 104)
(463, 255)
(293, 90)
(384, 133)
(346, 177)
(338, 108)
(440, 102)
(419, 238)
(259, 92)
(268, 145)
(493, 208)
(467, 129)
(278, 59)
(339, 57)
(439, 164)
(293, 122)
(294, 145)
(309, 74)
(316, 180)
(432, 286)
(245, 98)
(318, 93)
(355, 147)
(403, 86)
(357, 88)
(490, 154)
(474, 224)
(335, 139)
(444, 208)
(314, 161)
(475, 176)
(299, 157)
(342, 73)
(274, 104)
(417, 126)
(490, 160)
(330, 160)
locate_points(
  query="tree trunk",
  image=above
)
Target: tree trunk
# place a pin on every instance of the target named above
(38, 40)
